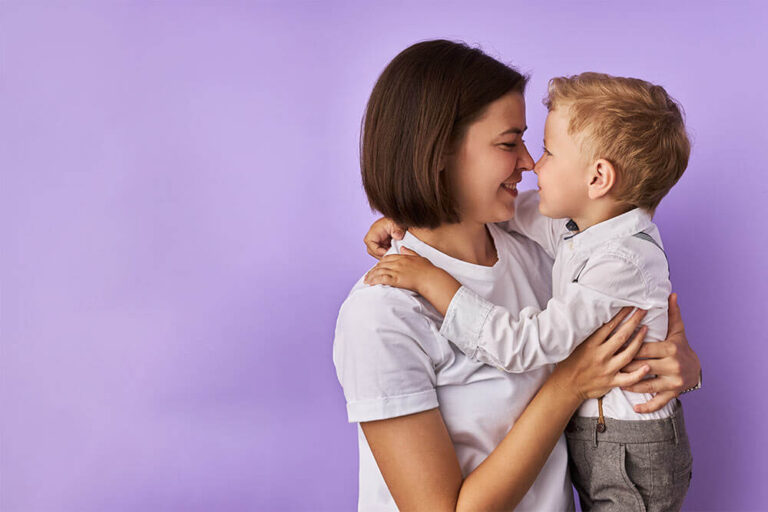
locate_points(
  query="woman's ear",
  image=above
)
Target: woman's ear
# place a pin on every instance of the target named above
(602, 178)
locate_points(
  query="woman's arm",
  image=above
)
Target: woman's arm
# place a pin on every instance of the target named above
(417, 459)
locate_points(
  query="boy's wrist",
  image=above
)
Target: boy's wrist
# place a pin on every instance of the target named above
(438, 288)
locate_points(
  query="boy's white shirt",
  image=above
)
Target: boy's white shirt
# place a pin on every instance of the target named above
(596, 273)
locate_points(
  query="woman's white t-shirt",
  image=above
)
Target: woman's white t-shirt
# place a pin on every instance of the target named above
(391, 361)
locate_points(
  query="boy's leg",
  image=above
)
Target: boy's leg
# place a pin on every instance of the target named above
(661, 469)
(633, 465)
(597, 475)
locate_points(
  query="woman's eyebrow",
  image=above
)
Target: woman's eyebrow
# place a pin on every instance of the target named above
(514, 130)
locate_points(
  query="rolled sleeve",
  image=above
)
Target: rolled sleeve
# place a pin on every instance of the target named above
(465, 319)
(391, 407)
(384, 352)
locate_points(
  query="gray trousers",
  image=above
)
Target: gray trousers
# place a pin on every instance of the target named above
(632, 465)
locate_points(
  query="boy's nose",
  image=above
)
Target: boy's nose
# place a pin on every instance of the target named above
(536, 165)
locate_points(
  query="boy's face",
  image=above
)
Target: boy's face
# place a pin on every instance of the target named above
(563, 170)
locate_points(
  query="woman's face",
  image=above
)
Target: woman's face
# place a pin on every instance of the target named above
(484, 171)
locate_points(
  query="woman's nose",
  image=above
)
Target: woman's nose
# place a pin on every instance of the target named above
(526, 160)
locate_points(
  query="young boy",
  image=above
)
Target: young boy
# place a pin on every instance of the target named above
(613, 148)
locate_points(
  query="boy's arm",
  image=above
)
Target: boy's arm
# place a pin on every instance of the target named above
(521, 341)
(529, 222)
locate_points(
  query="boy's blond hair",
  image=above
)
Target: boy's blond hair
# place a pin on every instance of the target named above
(633, 124)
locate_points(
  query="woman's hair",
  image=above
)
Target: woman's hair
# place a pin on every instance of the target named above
(417, 114)
(633, 124)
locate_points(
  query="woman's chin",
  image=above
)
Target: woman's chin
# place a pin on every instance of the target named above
(503, 215)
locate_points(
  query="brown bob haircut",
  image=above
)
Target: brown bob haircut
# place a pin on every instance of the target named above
(417, 114)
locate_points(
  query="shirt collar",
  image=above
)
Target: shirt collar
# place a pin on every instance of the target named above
(454, 266)
(626, 224)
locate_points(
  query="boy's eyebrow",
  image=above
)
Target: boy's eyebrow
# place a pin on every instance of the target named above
(513, 130)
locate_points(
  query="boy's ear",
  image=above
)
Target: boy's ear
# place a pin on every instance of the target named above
(602, 178)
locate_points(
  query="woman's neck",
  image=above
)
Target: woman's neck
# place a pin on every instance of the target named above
(466, 241)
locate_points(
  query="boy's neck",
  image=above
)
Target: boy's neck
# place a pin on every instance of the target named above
(598, 211)
(466, 241)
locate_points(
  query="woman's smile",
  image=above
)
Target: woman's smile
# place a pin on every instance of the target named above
(510, 188)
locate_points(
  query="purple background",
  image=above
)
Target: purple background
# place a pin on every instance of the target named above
(182, 216)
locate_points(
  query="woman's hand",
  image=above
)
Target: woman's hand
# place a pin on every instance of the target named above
(674, 363)
(379, 238)
(595, 366)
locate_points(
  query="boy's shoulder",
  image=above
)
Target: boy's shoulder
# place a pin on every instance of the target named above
(642, 249)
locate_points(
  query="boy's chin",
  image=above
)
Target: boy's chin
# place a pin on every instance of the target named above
(551, 214)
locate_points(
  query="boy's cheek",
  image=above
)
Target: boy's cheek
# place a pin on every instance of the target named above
(542, 204)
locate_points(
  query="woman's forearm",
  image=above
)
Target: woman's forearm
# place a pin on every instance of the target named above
(505, 476)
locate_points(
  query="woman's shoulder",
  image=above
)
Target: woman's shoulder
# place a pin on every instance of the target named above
(369, 300)
(369, 309)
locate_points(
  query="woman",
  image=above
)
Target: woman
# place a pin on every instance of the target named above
(442, 150)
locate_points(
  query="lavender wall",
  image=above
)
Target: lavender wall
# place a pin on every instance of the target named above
(182, 216)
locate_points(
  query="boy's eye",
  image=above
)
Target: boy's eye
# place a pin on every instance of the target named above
(546, 151)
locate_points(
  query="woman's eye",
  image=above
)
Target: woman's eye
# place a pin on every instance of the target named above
(509, 145)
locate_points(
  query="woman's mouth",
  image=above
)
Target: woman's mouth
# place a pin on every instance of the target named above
(511, 188)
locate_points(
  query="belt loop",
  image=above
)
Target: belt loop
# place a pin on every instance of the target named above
(594, 433)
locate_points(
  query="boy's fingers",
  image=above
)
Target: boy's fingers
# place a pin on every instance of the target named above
(374, 248)
(378, 276)
(375, 270)
(394, 231)
(409, 252)
(655, 403)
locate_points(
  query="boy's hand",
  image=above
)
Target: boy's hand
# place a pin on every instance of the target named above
(410, 271)
(379, 238)
(405, 270)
